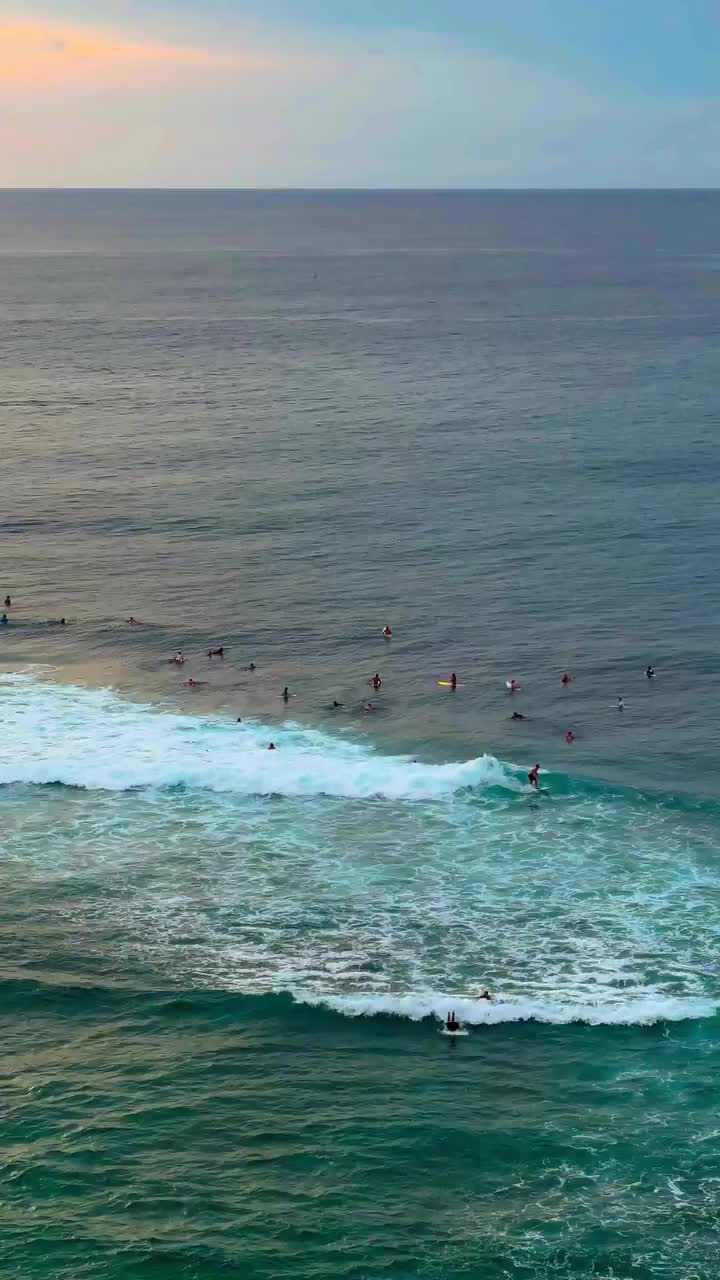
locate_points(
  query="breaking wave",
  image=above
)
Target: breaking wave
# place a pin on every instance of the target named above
(643, 1011)
(98, 741)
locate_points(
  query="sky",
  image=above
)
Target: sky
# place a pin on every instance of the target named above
(359, 93)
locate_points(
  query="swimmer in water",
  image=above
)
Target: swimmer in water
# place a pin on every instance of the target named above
(191, 684)
(179, 658)
(483, 995)
(516, 715)
(368, 707)
(271, 747)
(387, 632)
(451, 1022)
(285, 694)
(569, 736)
(650, 672)
(251, 667)
(453, 681)
(620, 704)
(533, 776)
(4, 620)
(376, 680)
(239, 720)
(566, 679)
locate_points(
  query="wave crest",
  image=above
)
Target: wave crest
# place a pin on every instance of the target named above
(644, 1011)
(98, 741)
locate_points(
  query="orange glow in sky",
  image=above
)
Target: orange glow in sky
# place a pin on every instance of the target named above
(46, 54)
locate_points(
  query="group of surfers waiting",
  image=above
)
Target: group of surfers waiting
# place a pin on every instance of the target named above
(375, 683)
(5, 621)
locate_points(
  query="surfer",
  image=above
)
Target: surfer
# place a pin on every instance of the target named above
(179, 658)
(387, 631)
(451, 1022)
(216, 653)
(285, 694)
(271, 747)
(251, 667)
(483, 995)
(650, 672)
(8, 602)
(569, 736)
(453, 680)
(192, 684)
(513, 686)
(335, 704)
(376, 680)
(534, 776)
(566, 679)
(620, 704)
(368, 707)
(134, 622)
(517, 715)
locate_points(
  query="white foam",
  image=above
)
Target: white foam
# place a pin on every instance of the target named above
(641, 1012)
(96, 740)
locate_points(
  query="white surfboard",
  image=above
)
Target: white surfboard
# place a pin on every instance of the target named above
(453, 1034)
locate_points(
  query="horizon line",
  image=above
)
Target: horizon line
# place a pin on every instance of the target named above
(364, 190)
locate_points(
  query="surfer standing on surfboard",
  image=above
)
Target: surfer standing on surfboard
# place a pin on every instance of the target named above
(533, 776)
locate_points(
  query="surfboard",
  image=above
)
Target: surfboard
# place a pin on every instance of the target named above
(447, 684)
(453, 1034)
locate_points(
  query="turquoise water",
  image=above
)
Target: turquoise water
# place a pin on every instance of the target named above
(277, 423)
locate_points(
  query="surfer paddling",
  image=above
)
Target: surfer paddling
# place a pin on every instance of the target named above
(451, 1023)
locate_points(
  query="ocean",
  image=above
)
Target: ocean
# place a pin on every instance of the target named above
(277, 422)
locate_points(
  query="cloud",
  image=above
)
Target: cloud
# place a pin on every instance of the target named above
(264, 107)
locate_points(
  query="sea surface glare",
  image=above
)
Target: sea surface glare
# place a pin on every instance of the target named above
(278, 422)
